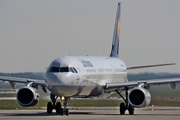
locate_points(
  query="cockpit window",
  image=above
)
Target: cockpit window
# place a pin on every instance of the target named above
(75, 70)
(71, 70)
(62, 69)
(54, 69)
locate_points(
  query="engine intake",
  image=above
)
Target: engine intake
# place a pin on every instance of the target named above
(139, 97)
(27, 96)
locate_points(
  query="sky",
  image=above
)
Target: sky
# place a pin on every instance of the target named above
(35, 32)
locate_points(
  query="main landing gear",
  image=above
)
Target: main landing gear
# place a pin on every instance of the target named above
(57, 106)
(125, 106)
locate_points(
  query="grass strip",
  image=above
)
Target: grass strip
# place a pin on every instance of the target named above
(13, 104)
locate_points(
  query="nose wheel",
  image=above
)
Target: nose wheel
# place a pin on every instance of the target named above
(65, 110)
(57, 106)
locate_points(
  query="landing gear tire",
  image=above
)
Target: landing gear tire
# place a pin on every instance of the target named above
(53, 105)
(125, 106)
(122, 108)
(62, 112)
(58, 107)
(131, 110)
(67, 112)
(49, 108)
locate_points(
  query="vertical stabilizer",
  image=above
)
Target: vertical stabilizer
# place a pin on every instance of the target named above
(116, 35)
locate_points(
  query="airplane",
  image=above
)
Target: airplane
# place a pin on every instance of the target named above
(89, 76)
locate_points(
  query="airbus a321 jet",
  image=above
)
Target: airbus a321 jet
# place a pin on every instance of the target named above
(88, 76)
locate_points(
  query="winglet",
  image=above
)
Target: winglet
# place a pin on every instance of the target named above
(116, 35)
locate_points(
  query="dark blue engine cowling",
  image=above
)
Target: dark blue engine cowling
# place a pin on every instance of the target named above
(27, 96)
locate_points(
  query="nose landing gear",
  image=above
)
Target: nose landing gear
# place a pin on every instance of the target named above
(64, 110)
(57, 106)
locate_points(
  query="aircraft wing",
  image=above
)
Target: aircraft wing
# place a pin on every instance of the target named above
(22, 80)
(120, 85)
(147, 66)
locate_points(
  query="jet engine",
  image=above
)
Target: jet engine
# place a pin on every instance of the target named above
(27, 96)
(139, 97)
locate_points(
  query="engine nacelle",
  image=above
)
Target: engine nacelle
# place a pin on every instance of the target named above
(27, 96)
(139, 97)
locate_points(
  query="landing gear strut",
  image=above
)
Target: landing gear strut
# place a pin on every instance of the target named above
(65, 110)
(53, 105)
(125, 106)
(57, 106)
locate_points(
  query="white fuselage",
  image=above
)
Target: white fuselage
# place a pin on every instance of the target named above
(84, 76)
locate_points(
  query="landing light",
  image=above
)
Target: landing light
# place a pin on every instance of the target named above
(62, 98)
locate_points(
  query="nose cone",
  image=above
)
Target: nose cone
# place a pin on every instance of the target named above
(59, 78)
(58, 84)
(55, 78)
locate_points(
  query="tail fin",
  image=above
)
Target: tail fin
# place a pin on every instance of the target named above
(116, 36)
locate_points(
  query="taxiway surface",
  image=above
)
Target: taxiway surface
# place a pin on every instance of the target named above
(157, 113)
